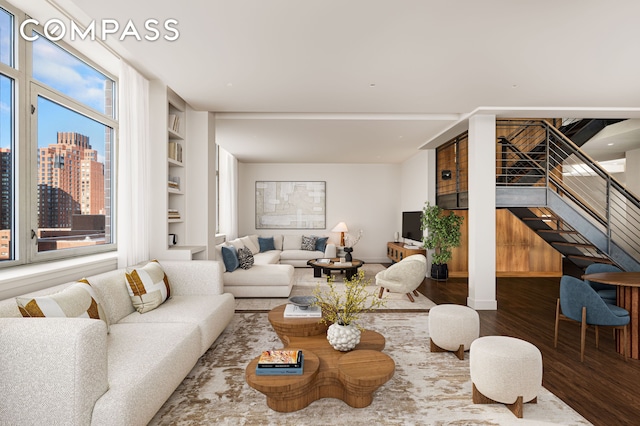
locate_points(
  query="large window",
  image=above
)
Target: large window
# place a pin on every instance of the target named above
(66, 147)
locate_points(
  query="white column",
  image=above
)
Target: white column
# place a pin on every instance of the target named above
(482, 212)
(632, 171)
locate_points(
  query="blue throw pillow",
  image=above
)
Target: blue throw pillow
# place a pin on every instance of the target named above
(321, 243)
(230, 258)
(266, 244)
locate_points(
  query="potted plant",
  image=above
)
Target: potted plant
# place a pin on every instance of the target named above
(443, 234)
(341, 310)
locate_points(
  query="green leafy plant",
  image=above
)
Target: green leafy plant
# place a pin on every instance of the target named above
(345, 308)
(443, 232)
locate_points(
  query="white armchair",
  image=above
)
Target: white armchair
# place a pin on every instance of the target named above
(404, 276)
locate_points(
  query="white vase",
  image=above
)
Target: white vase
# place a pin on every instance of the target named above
(343, 337)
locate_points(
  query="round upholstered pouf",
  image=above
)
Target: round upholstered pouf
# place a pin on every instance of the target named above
(504, 368)
(451, 326)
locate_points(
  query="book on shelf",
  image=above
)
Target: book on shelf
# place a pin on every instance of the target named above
(174, 214)
(281, 369)
(293, 311)
(174, 122)
(174, 183)
(174, 151)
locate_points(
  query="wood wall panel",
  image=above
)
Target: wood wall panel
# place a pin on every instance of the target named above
(519, 251)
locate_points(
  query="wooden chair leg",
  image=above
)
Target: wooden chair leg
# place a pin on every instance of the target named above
(415, 293)
(435, 348)
(597, 337)
(583, 332)
(555, 337)
(624, 341)
(410, 297)
(460, 352)
(516, 407)
(381, 291)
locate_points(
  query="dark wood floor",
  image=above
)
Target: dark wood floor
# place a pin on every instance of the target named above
(604, 389)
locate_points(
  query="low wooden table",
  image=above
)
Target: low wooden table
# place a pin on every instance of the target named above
(318, 267)
(350, 376)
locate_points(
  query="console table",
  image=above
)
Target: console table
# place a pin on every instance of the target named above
(396, 251)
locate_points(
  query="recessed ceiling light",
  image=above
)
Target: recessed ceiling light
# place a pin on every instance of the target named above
(229, 84)
(610, 144)
(514, 86)
(372, 85)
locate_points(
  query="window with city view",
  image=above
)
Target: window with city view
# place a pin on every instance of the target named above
(73, 151)
(66, 164)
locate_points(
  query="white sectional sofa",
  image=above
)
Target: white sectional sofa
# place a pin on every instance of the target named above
(272, 272)
(73, 371)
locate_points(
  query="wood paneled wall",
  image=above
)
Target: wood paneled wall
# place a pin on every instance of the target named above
(520, 252)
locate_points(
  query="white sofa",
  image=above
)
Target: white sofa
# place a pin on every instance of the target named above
(272, 272)
(71, 371)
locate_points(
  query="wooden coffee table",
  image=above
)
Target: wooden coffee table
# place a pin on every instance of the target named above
(350, 376)
(333, 265)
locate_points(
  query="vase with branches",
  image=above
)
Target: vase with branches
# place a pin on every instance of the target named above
(341, 310)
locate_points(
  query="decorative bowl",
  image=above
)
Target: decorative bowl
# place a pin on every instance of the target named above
(303, 302)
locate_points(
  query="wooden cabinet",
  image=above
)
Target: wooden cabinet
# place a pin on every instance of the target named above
(397, 251)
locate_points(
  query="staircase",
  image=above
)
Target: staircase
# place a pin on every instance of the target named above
(544, 178)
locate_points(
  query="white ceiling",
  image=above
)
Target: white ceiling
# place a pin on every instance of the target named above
(372, 81)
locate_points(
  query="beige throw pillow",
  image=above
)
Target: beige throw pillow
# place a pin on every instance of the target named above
(148, 287)
(79, 300)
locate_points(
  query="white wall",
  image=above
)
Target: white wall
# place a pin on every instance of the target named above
(364, 196)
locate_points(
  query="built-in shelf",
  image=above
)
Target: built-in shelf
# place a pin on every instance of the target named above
(192, 249)
(174, 163)
(174, 135)
(175, 191)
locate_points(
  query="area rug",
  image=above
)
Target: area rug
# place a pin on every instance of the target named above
(305, 282)
(426, 389)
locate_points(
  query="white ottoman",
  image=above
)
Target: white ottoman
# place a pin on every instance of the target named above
(453, 328)
(505, 370)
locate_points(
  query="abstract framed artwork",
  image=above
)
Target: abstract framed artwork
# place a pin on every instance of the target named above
(290, 205)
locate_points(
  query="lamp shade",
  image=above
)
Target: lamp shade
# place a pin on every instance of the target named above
(341, 227)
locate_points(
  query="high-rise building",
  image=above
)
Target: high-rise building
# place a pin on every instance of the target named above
(70, 181)
(6, 202)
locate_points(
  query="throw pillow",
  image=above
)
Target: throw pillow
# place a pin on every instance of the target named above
(308, 243)
(248, 243)
(321, 243)
(79, 300)
(266, 244)
(245, 258)
(230, 258)
(148, 287)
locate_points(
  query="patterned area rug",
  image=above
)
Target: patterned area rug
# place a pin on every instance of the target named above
(304, 283)
(427, 388)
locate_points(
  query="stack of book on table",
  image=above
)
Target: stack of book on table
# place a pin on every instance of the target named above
(293, 311)
(280, 363)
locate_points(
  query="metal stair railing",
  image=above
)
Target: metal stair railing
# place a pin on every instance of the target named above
(573, 175)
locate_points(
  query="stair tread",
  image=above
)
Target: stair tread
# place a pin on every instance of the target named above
(592, 258)
(570, 244)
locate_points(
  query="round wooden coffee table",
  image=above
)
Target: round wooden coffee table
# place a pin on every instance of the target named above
(350, 376)
(320, 265)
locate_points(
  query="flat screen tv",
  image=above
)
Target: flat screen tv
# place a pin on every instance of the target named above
(411, 223)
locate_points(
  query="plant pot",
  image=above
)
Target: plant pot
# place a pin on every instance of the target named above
(343, 337)
(439, 272)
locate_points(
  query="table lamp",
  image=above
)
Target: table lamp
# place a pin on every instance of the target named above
(341, 228)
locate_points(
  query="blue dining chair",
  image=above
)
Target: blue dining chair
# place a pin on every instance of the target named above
(579, 302)
(606, 291)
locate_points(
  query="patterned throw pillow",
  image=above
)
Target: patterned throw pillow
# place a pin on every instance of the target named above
(309, 243)
(245, 258)
(148, 287)
(79, 300)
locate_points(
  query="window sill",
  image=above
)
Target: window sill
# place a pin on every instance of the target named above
(22, 279)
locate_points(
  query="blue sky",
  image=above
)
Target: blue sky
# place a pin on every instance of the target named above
(64, 72)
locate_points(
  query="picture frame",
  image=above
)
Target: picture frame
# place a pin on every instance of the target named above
(290, 204)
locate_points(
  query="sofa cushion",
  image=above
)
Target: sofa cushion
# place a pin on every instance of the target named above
(211, 313)
(267, 258)
(245, 258)
(300, 255)
(146, 363)
(79, 300)
(308, 243)
(249, 244)
(237, 243)
(148, 286)
(260, 275)
(230, 258)
(266, 244)
(291, 242)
